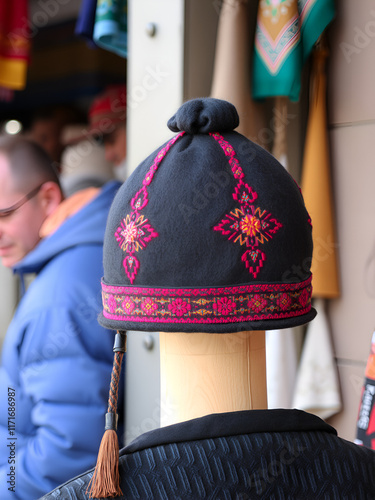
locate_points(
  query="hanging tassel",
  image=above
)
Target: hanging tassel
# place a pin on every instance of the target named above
(105, 483)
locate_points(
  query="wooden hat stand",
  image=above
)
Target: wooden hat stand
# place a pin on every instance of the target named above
(205, 373)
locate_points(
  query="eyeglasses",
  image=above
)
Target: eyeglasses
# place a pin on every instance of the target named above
(4, 212)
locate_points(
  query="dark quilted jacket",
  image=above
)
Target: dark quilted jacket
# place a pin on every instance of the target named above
(257, 454)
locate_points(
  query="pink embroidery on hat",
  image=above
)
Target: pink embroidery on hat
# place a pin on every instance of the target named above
(112, 303)
(148, 306)
(229, 151)
(257, 303)
(254, 260)
(304, 298)
(247, 223)
(235, 304)
(131, 266)
(284, 302)
(135, 232)
(127, 305)
(140, 200)
(179, 307)
(223, 306)
(244, 194)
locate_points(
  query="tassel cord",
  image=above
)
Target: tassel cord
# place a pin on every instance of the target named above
(105, 482)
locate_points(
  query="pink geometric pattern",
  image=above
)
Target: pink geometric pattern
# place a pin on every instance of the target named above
(207, 305)
(135, 232)
(246, 224)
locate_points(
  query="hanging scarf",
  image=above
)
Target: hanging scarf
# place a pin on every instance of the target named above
(14, 44)
(111, 29)
(285, 33)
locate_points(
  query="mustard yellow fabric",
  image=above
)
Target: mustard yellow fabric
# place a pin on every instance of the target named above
(316, 186)
(13, 73)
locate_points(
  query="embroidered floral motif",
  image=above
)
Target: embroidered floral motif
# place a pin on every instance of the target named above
(207, 305)
(148, 306)
(224, 306)
(112, 303)
(179, 307)
(127, 305)
(304, 298)
(257, 303)
(246, 224)
(135, 232)
(284, 302)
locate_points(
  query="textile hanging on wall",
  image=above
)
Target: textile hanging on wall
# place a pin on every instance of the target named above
(86, 20)
(286, 32)
(231, 75)
(316, 185)
(104, 23)
(231, 81)
(317, 387)
(283, 347)
(111, 28)
(14, 44)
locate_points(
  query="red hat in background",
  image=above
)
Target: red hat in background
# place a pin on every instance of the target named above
(106, 113)
(108, 109)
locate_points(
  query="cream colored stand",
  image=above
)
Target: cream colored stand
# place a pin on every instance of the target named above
(205, 373)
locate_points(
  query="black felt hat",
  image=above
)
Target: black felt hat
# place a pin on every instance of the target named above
(209, 234)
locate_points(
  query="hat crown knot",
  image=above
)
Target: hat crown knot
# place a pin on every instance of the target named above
(202, 116)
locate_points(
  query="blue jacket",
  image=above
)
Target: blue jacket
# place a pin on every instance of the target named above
(56, 360)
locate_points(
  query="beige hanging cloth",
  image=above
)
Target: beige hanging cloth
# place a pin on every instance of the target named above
(317, 387)
(231, 78)
(283, 347)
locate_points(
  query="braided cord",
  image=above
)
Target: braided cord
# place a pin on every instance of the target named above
(115, 380)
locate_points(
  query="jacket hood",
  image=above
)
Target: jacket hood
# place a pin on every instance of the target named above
(86, 227)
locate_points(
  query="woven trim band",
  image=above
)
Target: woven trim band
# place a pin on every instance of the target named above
(235, 304)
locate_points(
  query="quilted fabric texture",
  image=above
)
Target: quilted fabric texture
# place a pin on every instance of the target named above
(256, 454)
(209, 234)
(301, 464)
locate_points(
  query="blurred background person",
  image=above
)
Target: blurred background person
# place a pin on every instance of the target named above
(107, 122)
(56, 359)
(83, 162)
(47, 124)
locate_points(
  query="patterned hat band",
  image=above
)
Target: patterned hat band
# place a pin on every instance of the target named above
(202, 306)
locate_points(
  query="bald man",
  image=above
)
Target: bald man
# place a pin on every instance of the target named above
(29, 193)
(56, 359)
